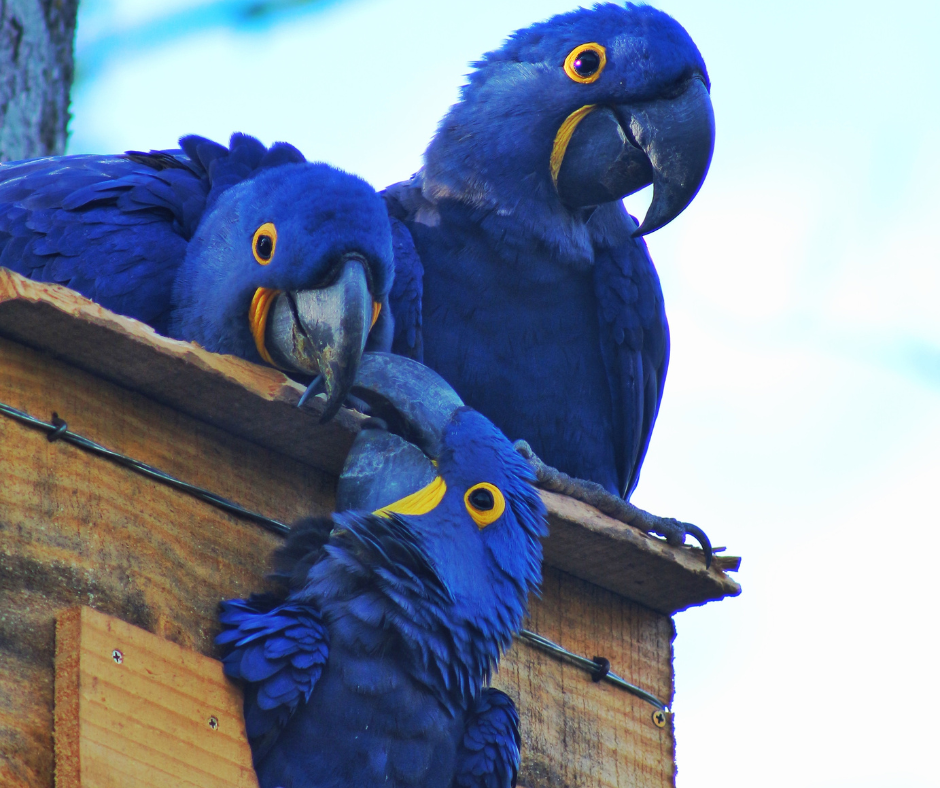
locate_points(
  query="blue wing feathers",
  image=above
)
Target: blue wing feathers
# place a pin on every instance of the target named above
(402, 201)
(489, 753)
(407, 291)
(280, 653)
(634, 347)
(115, 228)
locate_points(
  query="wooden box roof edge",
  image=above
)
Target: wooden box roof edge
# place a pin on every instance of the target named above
(259, 404)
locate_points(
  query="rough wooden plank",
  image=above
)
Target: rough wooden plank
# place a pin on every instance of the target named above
(248, 400)
(578, 734)
(135, 710)
(257, 403)
(76, 529)
(603, 551)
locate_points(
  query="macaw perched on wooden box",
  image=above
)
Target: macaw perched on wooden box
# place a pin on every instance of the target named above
(520, 276)
(370, 668)
(246, 250)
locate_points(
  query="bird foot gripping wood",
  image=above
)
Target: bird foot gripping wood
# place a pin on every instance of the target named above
(674, 531)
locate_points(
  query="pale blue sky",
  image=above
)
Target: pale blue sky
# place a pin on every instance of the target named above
(801, 418)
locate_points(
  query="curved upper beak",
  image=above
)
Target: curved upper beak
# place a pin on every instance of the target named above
(393, 455)
(323, 331)
(616, 151)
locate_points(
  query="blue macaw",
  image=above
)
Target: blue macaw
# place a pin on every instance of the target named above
(246, 250)
(520, 276)
(370, 668)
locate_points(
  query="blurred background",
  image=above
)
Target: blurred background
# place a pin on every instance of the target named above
(801, 421)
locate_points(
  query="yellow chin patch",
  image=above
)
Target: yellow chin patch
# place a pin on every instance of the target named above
(420, 502)
(258, 319)
(376, 311)
(563, 137)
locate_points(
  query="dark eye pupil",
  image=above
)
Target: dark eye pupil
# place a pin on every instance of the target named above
(264, 246)
(587, 63)
(482, 499)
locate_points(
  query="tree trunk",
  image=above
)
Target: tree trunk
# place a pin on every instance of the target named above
(35, 76)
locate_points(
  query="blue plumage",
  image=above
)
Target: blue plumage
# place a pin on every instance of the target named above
(371, 669)
(526, 287)
(205, 243)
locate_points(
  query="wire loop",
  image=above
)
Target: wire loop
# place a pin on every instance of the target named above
(603, 668)
(60, 427)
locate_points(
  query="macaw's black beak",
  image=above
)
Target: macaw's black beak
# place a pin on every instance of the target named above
(393, 455)
(615, 151)
(323, 331)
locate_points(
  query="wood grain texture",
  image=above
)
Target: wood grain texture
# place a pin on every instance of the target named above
(258, 403)
(155, 716)
(578, 734)
(77, 529)
(254, 402)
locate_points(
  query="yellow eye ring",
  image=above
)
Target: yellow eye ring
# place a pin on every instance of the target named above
(264, 243)
(485, 503)
(586, 62)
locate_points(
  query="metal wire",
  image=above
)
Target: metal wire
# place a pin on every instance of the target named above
(58, 429)
(589, 665)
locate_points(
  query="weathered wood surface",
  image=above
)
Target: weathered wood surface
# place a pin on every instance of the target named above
(133, 710)
(578, 734)
(258, 403)
(597, 548)
(248, 400)
(77, 529)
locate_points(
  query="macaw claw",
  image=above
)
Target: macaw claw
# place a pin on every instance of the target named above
(672, 530)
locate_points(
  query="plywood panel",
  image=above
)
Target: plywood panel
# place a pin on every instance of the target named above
(136, 711)
(76, 529)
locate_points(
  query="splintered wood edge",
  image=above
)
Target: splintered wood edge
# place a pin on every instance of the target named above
(266, 382)
(249, 400)
(594, 547)
(68, 633)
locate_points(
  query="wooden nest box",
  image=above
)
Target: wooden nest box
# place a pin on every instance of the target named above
(79, 530)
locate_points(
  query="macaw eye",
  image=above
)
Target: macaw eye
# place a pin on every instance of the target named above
(264, 243)
(485, 503)
(585, 63)
(481, 499)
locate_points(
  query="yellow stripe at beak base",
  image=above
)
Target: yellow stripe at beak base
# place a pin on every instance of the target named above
(376, 311)
(563, 137)
(258, 319)
(420, 502)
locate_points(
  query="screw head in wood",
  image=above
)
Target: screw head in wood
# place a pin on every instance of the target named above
(118, 656)
(214, 723)
(659, 718)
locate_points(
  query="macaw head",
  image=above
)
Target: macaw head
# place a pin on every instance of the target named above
(580, 110)
(290, 267)
(457, 483)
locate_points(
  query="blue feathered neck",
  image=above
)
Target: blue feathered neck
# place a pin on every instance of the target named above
(435, 586)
